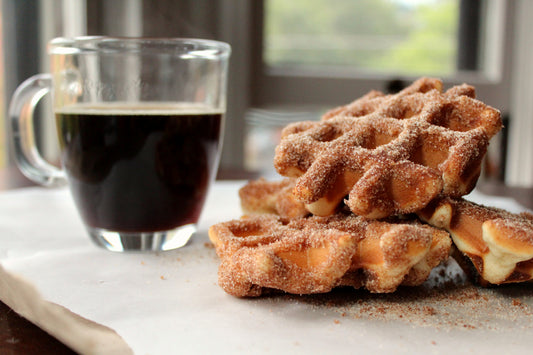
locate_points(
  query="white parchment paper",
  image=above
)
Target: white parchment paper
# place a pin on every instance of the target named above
(164, 303)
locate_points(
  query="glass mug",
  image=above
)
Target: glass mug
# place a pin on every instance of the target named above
(140, 124)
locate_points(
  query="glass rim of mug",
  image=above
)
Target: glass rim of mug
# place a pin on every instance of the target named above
(176, 46)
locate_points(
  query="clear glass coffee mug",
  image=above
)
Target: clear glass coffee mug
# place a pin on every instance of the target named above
(139, 123)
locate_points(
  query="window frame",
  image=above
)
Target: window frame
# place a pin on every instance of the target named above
(25, 54)
(292, 87)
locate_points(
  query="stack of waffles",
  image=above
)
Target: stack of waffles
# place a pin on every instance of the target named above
(372, 198)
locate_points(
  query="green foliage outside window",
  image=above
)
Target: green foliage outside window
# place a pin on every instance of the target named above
(398, 36)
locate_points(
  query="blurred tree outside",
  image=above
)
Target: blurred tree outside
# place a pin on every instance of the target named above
(399, 36)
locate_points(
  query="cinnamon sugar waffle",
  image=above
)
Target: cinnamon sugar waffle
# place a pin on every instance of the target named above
(316, 254)
(499, 244)
(391, 154)
(275, 197)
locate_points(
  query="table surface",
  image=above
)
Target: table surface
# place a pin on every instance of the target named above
(17, 335)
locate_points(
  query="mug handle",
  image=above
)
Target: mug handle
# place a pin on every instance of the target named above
(27, 157)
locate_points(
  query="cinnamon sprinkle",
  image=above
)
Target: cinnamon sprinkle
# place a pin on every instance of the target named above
(444, 303)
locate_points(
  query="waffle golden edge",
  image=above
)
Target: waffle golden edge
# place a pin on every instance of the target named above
(494, 246)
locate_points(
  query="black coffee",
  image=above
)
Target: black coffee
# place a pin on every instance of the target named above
(142, 169)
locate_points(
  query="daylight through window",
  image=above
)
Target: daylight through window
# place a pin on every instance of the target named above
(374, 36)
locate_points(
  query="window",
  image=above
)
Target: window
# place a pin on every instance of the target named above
(26, 27)
(311, 55)
(321, 62)
(409, 37)
(18, 41)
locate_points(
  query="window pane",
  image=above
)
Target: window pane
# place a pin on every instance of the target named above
(379, 36)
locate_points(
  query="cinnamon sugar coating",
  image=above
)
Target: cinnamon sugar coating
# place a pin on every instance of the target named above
(315, 254)
(275, 197)
(498, 243)
(390, 154)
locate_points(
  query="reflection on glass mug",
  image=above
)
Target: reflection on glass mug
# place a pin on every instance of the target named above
(139, 123)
